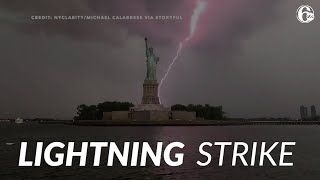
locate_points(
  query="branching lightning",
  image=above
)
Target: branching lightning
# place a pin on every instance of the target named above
(201, 5)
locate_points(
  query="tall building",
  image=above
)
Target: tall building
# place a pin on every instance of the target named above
(304, 112)
(313, 112)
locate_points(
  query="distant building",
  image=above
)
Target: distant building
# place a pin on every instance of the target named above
(304, 112)
(313, 112)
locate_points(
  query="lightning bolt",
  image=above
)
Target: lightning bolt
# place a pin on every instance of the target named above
(201, 5)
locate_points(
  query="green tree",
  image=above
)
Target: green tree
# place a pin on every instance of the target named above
(207, 111)
(112, 106)
(178, 107)
(86, 112)
(95, 112)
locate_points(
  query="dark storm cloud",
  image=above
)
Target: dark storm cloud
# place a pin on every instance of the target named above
(223, 23)
(227, 23)
(105, 31)
(49, 67)
(92, 31)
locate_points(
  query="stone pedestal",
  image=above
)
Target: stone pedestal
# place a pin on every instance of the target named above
(150, 92)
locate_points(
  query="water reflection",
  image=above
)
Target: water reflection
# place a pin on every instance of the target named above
(306, 156)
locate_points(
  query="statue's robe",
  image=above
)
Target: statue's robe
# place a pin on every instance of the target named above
(152, 61)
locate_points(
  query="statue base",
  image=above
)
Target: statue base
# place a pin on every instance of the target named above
(150, 92)
(149, 107)
(149, 112)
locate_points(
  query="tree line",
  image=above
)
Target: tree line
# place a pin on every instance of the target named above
(202, 111)
(95, 112)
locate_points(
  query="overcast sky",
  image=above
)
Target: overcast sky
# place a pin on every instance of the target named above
(253, 57)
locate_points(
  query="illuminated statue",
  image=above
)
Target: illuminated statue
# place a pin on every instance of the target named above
(152, 62)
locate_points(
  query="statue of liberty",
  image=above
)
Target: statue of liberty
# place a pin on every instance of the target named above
(152, 62)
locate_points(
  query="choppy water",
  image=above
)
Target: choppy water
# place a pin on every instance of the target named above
(306, 153)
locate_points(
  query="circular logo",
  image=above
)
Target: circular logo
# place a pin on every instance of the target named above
(305, 14)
